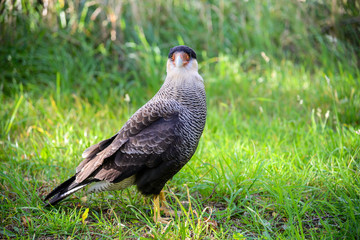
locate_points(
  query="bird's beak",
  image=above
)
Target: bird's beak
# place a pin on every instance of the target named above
(180, 59)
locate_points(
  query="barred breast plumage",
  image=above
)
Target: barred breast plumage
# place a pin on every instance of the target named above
(155, 143)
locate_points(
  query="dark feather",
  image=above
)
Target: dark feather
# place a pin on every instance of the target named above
(141, 151)
(91, 152)
(182, 48)
(141, 120)
(63, 190)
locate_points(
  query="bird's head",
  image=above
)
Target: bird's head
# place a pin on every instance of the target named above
(181, 58)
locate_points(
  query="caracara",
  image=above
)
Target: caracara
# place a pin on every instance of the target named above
(154, 144)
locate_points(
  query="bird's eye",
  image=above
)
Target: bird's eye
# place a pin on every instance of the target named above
(187, 57)
(173, 57)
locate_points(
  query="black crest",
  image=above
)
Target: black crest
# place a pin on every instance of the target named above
(183, 48)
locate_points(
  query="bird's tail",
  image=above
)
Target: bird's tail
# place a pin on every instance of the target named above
(63, 190)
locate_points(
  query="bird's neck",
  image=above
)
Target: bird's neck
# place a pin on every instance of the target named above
(177, 85)
(180, 78)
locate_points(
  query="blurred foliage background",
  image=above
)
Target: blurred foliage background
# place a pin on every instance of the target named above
(56, 35)
(117, 46)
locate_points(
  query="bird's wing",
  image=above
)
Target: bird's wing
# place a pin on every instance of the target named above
(148, 133)
(141, 151)
(91, 151)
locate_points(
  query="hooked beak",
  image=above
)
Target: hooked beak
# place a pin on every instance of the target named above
(180, 59)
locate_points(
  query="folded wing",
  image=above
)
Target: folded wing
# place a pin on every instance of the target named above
(138, 145)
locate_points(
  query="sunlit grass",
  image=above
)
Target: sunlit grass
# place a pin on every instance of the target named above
(275, 160)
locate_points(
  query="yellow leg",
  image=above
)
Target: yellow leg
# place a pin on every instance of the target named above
(164, 205)
(157, 209)
(162, 197)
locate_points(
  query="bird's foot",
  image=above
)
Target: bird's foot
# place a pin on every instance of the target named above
(169, 212)
(162, 220)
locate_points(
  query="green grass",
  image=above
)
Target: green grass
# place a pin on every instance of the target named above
(279, 157)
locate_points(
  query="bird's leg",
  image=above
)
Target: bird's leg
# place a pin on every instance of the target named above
(165, 205)
(157, 217)
(156, 208)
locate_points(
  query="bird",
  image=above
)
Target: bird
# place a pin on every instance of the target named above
(153, 145)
